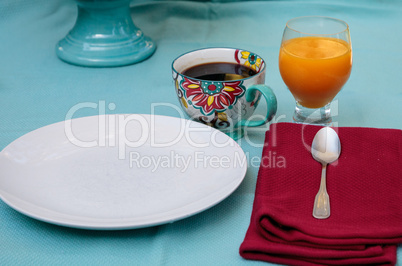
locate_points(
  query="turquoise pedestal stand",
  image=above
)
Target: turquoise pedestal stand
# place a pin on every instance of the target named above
(104, 35)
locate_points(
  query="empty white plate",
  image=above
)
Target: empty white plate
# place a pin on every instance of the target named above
(119, 171)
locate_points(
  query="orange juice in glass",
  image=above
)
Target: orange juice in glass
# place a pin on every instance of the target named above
(315, 61)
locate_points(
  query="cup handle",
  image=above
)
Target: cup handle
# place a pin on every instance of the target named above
(270, 98)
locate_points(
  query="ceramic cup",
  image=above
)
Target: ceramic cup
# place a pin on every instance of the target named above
(226, 105)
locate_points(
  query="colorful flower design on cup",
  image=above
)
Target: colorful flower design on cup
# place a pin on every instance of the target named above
(250, 60)
(180, 94)
(219, 120)
(211, 96)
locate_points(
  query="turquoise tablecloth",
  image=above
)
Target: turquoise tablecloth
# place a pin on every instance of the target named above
(37, 89)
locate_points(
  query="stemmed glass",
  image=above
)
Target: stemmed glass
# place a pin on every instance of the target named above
(315, 61)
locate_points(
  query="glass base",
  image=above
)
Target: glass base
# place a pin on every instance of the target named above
(316, 116)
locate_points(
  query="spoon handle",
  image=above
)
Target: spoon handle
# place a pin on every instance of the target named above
(321, 204)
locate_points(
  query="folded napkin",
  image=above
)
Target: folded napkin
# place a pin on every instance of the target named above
(365, 190)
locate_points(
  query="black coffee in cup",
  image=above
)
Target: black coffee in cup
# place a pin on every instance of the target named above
(219, 71)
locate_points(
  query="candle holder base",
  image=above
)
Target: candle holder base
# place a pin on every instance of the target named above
(104, 35)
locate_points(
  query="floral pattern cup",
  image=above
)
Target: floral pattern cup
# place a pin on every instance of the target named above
(225, 105)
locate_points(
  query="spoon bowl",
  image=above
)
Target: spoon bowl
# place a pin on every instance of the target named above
(326, 149)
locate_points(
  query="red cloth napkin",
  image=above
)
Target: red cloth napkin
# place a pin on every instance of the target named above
(365, 190)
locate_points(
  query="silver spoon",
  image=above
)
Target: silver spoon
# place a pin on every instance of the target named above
(325, 149)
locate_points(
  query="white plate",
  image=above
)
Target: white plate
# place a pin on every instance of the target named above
(119, 171)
